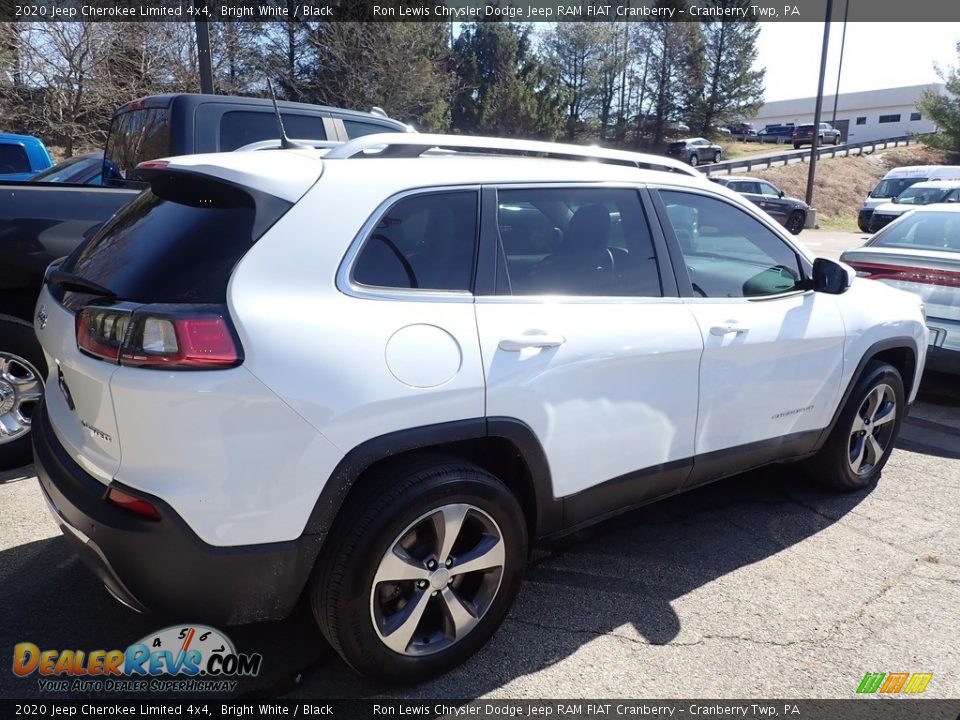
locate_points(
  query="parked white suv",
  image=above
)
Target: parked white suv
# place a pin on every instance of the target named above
(377, 374)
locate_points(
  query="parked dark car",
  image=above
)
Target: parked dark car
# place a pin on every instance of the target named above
(779, 134)
(803, 135)
(788, 211)
(86, 169)
(744, 132)
(695, 151)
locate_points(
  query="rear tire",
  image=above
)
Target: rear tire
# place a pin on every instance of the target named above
(429, 618)
(862, 440)
(22, 370)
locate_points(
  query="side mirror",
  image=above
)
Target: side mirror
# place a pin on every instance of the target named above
(893, 200)
(829, 277)
(780, 194)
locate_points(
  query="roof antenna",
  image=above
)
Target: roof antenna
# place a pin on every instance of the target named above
(285, 142)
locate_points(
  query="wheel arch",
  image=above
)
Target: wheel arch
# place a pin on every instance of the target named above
(505, 447)
(898, 352)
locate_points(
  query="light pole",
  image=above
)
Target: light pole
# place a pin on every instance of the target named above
(814, 144)
(843, 41)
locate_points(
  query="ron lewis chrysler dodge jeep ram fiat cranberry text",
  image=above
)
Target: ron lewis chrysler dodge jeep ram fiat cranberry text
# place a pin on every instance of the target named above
(376, 374)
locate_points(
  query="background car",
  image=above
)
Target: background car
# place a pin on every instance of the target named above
(923, 193)
(743, 131)
(84, 169)
(803, 135)
(695, 151)
(779, 134)
(920, 252)
(788, 211)
(21, 156)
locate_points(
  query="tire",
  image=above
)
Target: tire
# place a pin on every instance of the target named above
(694, 161)
(22, 370)
(717, 155)
(795, 222)
(362, 617)
(796, 146)
(850, 460)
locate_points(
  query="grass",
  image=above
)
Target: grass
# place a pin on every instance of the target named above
(842, 183)
(736, 149)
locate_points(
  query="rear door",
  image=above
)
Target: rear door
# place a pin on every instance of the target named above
(586, 342)
(773, 353)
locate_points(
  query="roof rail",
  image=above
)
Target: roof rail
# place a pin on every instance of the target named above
(276, 144)
(409, 145)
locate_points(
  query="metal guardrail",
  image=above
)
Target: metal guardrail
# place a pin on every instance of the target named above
(845, 150)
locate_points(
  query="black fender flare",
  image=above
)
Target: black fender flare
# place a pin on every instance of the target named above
(425, 438)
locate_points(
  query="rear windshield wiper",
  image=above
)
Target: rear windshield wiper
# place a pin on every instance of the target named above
(71, 281)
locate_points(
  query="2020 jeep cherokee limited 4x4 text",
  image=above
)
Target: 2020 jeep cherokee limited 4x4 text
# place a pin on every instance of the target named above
(376, 375)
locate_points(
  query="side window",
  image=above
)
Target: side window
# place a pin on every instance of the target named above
(749, 187)
(242, 127)
(728, 253)
(13, 159)
(577, 241)
(423, 242)
(358, 128)
(768, 190)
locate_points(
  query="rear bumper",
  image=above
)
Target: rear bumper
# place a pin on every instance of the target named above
(162, 565)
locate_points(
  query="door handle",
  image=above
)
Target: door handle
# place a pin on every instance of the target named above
(533, 340)
(722, 330)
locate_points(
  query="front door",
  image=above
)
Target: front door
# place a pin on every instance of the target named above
(773, 352)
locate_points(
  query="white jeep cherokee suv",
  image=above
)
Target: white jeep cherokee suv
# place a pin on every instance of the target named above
(375, 375)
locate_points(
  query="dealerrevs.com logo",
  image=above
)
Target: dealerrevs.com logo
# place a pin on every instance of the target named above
(894, 683)
(182, 658)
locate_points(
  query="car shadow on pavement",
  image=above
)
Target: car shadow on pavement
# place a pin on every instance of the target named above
(622, 575)
(52, 600)
(626, 572)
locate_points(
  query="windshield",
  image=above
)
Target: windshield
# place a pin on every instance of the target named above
(891, 187)
(922, 230)
(921, 196)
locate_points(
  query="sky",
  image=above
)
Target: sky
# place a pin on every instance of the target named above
(875, 56)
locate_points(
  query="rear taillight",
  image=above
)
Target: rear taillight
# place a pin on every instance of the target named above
(132, 503)
(925, 276)
(159, 336)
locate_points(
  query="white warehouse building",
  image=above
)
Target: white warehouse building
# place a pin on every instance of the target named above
(861, 116)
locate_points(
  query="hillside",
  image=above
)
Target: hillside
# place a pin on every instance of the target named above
(842, 183)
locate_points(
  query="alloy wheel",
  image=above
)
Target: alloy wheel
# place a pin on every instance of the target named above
(872, 429)
(437, 580)
(21, 387)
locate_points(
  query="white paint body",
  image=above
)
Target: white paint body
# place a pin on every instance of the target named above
(243, 454)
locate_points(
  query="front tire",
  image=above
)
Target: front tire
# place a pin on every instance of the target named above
(717, 156)
(862, 440)
(22, 370)
(694, 161)
(796, 221)
(414, 582)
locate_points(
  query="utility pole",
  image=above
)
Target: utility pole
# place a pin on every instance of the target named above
(814, 143)
(203, 48)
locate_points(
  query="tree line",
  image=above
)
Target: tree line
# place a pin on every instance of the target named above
(621, 84)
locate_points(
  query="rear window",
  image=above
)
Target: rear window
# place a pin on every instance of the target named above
(178, 241)
(922, 231)
(13, 159)
(242, 127)
(136, 136)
